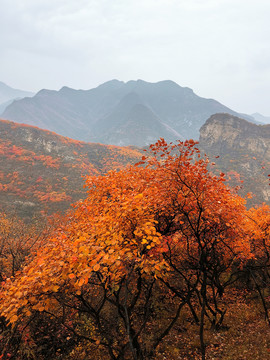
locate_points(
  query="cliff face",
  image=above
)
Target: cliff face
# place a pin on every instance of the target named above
(238, 146)
(225, 133)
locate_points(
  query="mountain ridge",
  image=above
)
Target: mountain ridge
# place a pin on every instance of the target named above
(8, 94)
(77, 113)
(261, 118)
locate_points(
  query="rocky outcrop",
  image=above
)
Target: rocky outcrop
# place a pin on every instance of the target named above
(238, 146)
(225, 133)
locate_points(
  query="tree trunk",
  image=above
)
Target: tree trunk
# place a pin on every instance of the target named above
(203, 293)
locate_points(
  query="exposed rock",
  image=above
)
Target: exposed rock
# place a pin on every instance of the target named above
(240, 146)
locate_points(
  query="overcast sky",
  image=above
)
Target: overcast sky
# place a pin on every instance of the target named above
(219, 48)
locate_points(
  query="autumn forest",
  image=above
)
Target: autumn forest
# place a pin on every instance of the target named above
(160, 260)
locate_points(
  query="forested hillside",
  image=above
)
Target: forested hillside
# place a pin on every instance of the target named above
(43, 171)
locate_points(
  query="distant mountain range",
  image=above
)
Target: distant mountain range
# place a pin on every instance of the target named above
(241, 150)
(132, 113)
(261, 118)
(8, 95)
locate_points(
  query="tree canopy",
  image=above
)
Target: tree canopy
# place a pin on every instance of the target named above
(147, 242)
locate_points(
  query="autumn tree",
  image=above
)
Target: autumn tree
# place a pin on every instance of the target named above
(256, 272)
(18, 242)
(204, 224)
(146, 242)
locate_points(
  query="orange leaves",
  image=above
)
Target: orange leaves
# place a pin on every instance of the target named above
(258, 229)
(59, 164)
(139, 219)
(96, 267)
(147, 234)
(139, 196)
(83, 281)
(13, 319)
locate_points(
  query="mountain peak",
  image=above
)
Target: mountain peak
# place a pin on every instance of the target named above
(44, 92)
(111, 84)
(65, 88)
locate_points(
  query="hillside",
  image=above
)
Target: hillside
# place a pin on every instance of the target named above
(238, 146)
(132, 113)
(41, 170)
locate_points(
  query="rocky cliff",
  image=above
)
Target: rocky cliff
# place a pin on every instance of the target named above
(239, 147)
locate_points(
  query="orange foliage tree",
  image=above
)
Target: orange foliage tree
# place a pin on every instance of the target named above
(257, 270)
(146, 242)
(17, 241)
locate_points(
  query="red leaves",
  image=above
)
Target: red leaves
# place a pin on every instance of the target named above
(138, 218)
(50, 174)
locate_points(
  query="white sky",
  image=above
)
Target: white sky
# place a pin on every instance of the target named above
(219, 48)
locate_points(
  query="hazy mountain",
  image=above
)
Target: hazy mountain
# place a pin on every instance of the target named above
(5, 104)
(41, 170)
(136, 112)
(132, 122)
(261, 118)
(240, 147)
(8, 94)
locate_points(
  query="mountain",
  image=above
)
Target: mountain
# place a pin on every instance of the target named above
(8, 94)
(43, 171)
(5, 104)
(242, 150)
(261, 118)
(132, 113)
(132, 122)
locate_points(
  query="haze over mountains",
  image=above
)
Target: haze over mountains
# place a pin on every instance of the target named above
(132, 113)
(137, 113)
(261, 118)
(8, 95)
